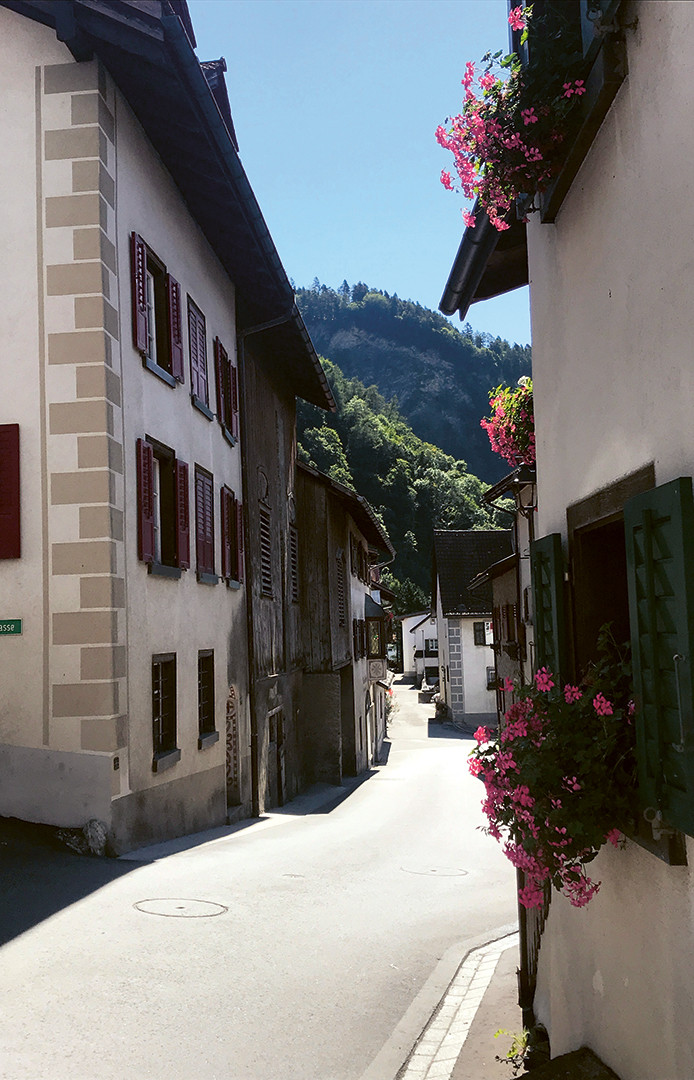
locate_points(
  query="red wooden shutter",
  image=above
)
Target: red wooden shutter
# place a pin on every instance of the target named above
(138, 267)
(227, 505)
(221, 361)
(239, 541)
(201, 357)
(182, 515)
(204, 523)
(173, 298)
(145, 501)
(234, 401)
(10, 535)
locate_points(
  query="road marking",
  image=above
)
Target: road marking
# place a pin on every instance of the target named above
(438, 1047)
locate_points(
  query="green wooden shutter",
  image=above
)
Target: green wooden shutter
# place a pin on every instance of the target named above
(660, 567)
(547, 566)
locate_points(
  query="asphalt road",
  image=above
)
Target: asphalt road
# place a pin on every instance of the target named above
(304, 946)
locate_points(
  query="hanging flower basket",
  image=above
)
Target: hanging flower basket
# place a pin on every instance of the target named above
(511, 427)
(559, 776)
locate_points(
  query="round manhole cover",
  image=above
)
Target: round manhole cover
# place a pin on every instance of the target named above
(436, 871)
(181, 909)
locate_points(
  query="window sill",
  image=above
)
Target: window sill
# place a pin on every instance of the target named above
(209, 738)
(201, 407)
(162, 570)
(165, 759)
(669, 849)
(233, 584)
(231, 439)
(205, 578)
(160, 372)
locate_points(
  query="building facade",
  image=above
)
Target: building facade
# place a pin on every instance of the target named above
(612, 384)
(133, 283)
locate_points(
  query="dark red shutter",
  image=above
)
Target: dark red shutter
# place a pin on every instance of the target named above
(220, 363)
(173, 299)
(138, 267)
(227, 506)
(145, 501)
(234, 401)
(202, 359)
(239, 541)
(182, 515)
(10, 534)
(204, 523)
(193, 344)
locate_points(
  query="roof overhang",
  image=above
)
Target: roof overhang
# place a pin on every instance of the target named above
(488, 263)
(513, 482)
(148, 48)
(497, 569)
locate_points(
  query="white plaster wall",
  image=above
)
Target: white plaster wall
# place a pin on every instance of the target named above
(476, 660)
(613, 325)
(408, 643)
(444, 656)
(23, 45)
(166, 615)
(611, 284)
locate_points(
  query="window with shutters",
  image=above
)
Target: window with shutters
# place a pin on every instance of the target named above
(479, 636)
(165, 750)
(197, 347)
(232, 536)
(163, 509)
(226, 379)
(293, 564)
(206, 699)
(204, 526)
(547, 567)
(157, 314)
(265, 521)
(10, 535)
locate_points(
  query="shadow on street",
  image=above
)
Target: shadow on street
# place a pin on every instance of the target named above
(39, 877)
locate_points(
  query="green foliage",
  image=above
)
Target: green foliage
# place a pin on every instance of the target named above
(439, 376)
(413, 486)
(408, 596)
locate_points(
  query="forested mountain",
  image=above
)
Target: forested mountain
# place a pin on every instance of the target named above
(414, 486)
(440, 376)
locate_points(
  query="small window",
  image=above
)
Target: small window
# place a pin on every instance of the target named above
(227, 392)
(265, 551)
(197, 343)
(206, 709)
(375, 639)
(293, 564)
(204, 526)
(157, 321)
(164, 711)
(163, 508)
(431, 646)
(479, 634)
(491, 678)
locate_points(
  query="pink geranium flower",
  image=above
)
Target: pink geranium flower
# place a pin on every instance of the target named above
(469, 219)
(543, 680)
(446, 180)
(602, 706)
(572, 694)
(516, 20)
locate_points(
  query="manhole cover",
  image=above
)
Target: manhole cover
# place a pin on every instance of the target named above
(181, 909)
(436, 871)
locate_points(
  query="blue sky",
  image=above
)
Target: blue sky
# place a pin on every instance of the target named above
(335, 103)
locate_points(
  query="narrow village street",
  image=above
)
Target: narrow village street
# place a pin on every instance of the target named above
(301, 946)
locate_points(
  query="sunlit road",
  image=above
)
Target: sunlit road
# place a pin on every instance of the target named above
(330, 925)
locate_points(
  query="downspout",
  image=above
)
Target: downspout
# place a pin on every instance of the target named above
(241, 336)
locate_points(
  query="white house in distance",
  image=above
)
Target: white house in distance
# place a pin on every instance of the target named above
(613, 381)
(419, 636)
(463, 617)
